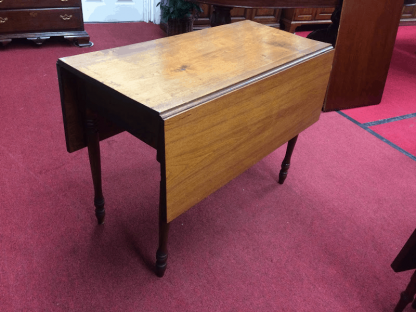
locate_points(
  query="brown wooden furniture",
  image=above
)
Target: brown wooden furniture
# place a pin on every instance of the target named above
(40, 20)
(406, 260)
(408, 15)
(212, 103)
(266, 16)
(293, 18)
(362, 55)
(222, 12)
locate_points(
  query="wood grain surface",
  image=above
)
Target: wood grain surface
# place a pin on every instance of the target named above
(209, 145)
(167, 73)
(73, 91)
(363, 52)
(33, 20)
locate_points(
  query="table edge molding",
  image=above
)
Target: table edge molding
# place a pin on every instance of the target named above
(204, 99)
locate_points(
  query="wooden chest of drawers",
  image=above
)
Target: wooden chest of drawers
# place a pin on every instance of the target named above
(265, 16)
(39, 20)
(293, 18)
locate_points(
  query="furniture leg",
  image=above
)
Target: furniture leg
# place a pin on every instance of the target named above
(82, 41)
(38, 40)
(162, 252)
(220, 16)
(95, 163)
(286, 162)
(292, 28)
(407, 296)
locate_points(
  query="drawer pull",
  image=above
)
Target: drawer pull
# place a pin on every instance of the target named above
(3, 20)
(66, 17)
(61, 0)
(2, 1)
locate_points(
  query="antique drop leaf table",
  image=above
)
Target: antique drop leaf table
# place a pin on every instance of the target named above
(212, 103)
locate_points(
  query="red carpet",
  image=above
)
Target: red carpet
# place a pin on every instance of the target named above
(393, 119)
(387, 120)
(402, 133)
(323, 241)
(399, 97)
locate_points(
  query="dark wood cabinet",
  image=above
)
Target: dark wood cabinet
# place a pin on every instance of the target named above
(40, 20)
(408, 15)
(293, 18)
(268, 17)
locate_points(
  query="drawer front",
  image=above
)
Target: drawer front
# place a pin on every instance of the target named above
(304, 14)
(15, 21)
(29, 4)
(324, 13)
(409, 12)
(266, 15)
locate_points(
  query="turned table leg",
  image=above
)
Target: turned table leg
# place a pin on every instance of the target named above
(286, 161)
(93, 140)
(162, 251)
(407, 296)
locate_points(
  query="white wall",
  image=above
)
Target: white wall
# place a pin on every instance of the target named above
(121, 11)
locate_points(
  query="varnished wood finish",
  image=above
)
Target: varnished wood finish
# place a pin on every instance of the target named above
(265, 16)
(273, 3)
(73, 102)
(22, 4)
(293, 18)
(363, 57)
(363, 54)
(91, 130)
(286, 161)
(160, 74)
(162, 251)
(208, 123)
(254, 10)
(40, 20)
(408, 17)
(231, 133)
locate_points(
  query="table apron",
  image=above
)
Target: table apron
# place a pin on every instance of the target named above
(209, 145)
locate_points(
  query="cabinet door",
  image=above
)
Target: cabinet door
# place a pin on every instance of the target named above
(409, 11)
(267, 16)
(324, 13)
(306, 14)
(240, 14)
(204, 17)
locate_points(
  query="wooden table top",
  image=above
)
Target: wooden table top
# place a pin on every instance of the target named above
(172, 74)
(273, 3)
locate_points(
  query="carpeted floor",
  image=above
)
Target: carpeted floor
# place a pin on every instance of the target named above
(323, 241)
(393, 120)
